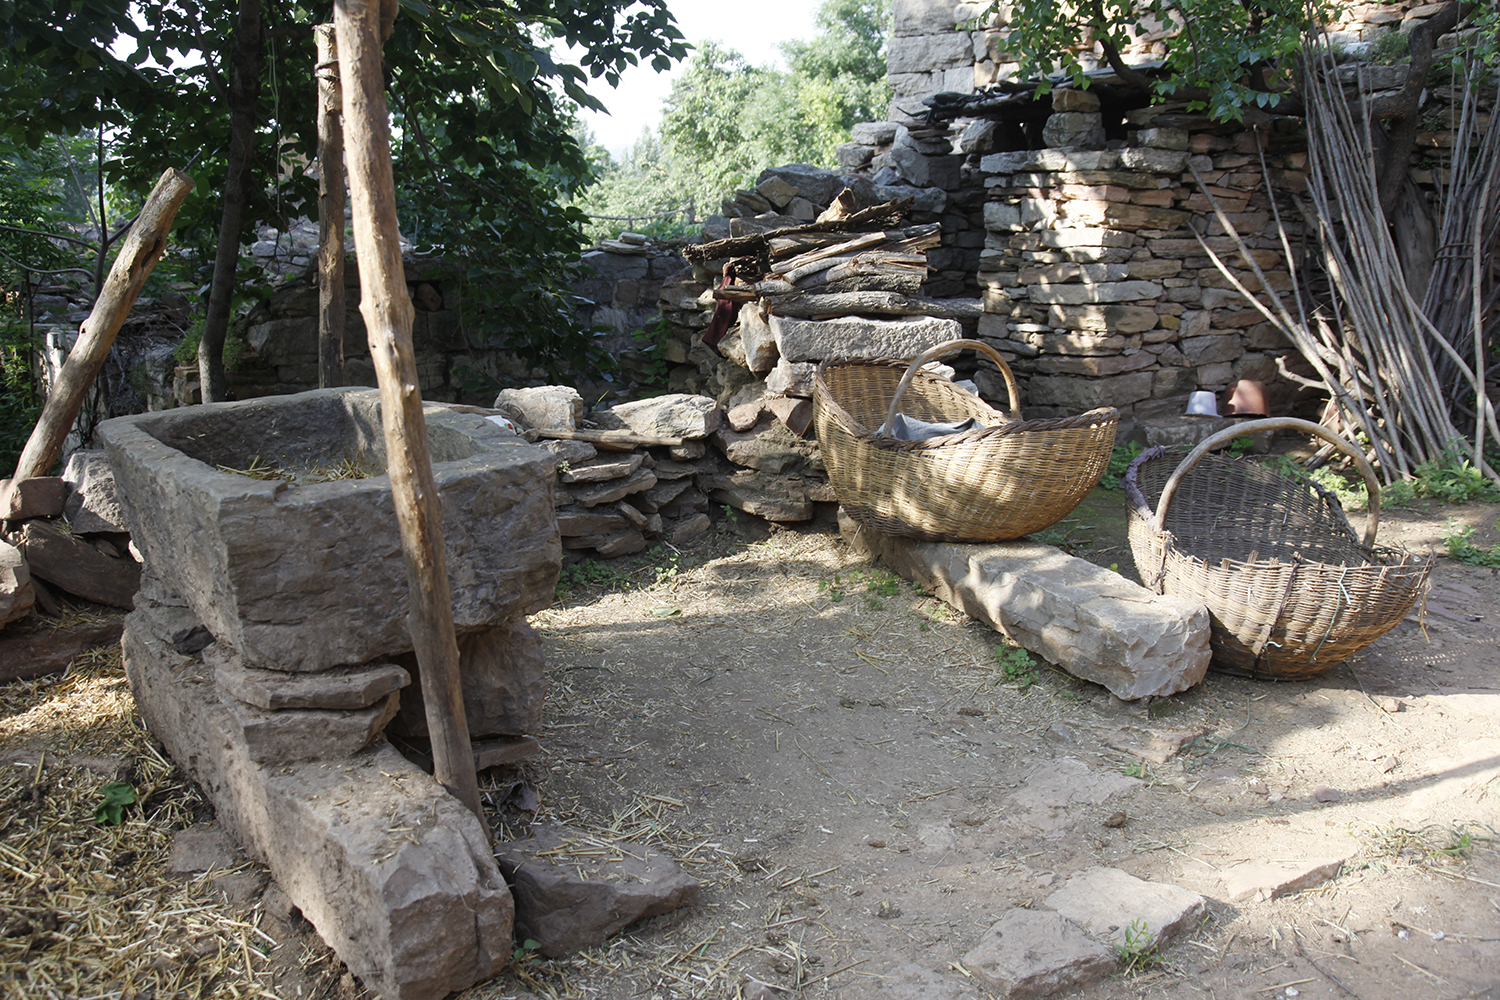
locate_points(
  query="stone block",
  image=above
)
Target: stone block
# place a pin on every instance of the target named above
(777, 191)
(570, 895)
(573, 523)
(415, 914)
(816, 184)
(764, 496)
(1273, 879)
(598, 470)
(60, 558)
(1212, 349)
(503, 680)
(39, 496)
(27, 653)
(759, 341)
(92, 504)
(792, 378)
(1109, 291)
(1107, 902)
(928, 53)
(306, 577)
(272, 690)
(1156, 161)
(1036, 953)
(873, 133)
(544, 407)
(1078, 395)
(1074, 130)
(856, 337)
(295, 736)
(1072, 99)
(768, 447)
(923, 170)
(615, 489)
(679, 415)
(285, 341)
(1164, 138)
(1090, 621)
(1111, 318)
(16, 592)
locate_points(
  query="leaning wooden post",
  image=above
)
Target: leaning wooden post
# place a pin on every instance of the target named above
(330, 212)
(143, 247)
(387, 312)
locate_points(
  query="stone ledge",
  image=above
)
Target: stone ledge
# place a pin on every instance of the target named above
(1093, 623)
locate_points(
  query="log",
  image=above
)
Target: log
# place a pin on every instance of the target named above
(138, 255)
(743, 246)
(869, 303)
(388, 315)
(608, 440)
(880, 263)
(330, 211)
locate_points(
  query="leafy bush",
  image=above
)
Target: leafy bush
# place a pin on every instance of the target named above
(1451, 479)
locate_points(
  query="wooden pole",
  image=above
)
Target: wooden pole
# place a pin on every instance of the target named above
(141, 250)
(388, 312)
(330, 212)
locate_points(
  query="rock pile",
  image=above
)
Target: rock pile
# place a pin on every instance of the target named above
(64, 537)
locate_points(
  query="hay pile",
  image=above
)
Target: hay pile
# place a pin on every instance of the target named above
(88, 910)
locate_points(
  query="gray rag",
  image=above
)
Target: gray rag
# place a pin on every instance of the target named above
(905, 428)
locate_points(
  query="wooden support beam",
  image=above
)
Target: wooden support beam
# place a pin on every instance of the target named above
(387, 310)
(141, 250)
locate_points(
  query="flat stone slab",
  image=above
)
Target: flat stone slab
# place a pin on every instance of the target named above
(573, 890)
(40, 496)
(807, 340)
(395, 874)
(1090, 621)
(1274, 879)
(272, 690)
(16, 592)
(26, 653)
(298, 735)
(92, 503)
(1050, 796)
(306, 577)
(1108, 903)
(1036, 953)
(60, 558)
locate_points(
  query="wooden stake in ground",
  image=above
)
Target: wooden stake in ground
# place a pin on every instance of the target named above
(139, 254)
(330, 211)
(387, 312)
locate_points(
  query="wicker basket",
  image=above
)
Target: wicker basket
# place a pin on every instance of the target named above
(1002, 480)
(1291, 590)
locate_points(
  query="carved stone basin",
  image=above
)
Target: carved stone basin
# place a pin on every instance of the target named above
(304, 575)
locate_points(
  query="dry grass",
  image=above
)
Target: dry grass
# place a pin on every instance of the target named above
(88, 910)
(260, 469)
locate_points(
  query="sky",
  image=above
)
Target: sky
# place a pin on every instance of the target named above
(753, 30)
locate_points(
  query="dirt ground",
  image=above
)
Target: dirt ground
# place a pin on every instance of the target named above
(842, 762)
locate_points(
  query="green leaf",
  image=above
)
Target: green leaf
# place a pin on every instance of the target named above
(114, 797)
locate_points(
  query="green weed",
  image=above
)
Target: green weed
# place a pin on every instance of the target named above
(587, 576)
(114, 797)
(1138, 951)
(1456, 538)
(875, 582)
(1450, 479)
(1119, 463)
(1016, 666)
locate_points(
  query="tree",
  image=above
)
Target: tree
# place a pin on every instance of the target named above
(482, 105)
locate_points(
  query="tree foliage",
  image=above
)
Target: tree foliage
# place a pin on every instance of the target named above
(481, 105)
(726, 120)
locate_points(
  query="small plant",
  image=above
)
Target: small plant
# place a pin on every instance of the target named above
(526, 953)
(114, 797)
(1138, 950)
(1119, 463)
(1456, 538)
(1016, 666)
(588, 575)
(1352, 496)
(1451, 479)
(654, 371)
(1135, 769)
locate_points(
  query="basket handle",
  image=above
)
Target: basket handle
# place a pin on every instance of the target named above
(949, 347)
(1273, 423)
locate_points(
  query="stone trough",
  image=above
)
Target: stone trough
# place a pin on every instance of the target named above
(269, 649)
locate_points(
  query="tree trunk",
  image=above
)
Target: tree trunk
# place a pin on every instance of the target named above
(388, 315)
(330, 212)
(138, 255)
(244, 93)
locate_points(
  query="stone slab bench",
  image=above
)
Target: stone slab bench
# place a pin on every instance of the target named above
(1089, 620)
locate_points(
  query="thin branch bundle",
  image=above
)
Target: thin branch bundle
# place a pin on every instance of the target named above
(1393, 376)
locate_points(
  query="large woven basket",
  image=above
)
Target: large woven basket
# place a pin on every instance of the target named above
(1001, 480)
(1291, 590)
